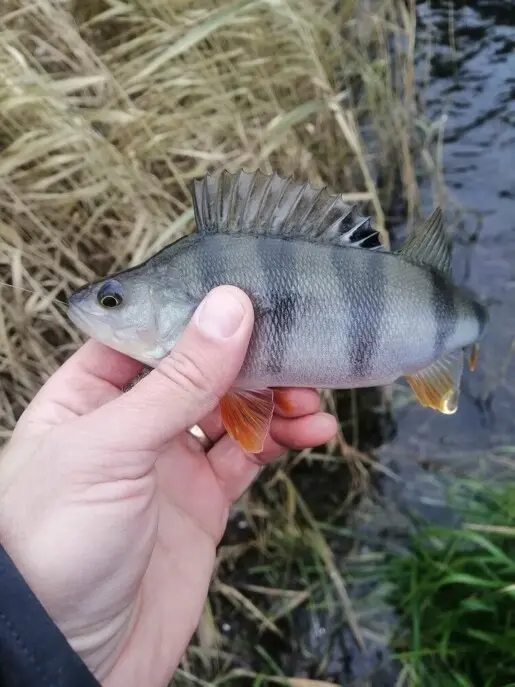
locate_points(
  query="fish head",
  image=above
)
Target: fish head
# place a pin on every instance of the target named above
(133, 312)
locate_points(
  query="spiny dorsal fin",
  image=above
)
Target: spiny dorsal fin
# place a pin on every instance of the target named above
(429, 244)
(267, 204)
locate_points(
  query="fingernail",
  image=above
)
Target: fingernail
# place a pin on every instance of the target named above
(221, 314)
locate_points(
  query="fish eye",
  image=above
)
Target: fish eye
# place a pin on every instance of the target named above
(110, 295)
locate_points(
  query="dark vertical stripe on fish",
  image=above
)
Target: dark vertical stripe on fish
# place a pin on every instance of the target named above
(444, 310)
(281, 293)
(213, 267)
(364, 290)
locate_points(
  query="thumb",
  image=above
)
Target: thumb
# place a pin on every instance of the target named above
(189, 383)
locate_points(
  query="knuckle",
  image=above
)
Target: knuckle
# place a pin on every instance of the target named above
(187, 373)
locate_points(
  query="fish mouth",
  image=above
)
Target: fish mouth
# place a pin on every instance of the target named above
(74, 315)
(136, 347)
(93, 327)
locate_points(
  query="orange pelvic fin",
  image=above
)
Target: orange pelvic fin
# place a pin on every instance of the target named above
(247, 416)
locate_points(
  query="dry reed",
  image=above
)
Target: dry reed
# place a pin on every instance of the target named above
(108, 109)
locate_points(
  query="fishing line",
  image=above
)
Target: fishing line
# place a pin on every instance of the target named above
(22, 288)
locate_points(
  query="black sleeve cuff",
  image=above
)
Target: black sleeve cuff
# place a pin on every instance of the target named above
(33, 651)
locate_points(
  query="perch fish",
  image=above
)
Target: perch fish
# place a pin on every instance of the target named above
(333, 308)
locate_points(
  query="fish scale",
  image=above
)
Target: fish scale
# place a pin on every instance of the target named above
(333, 308)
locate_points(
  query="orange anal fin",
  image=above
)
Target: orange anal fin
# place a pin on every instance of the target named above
(283, 402)
(474, 355)
(247, 416)
(437, 385)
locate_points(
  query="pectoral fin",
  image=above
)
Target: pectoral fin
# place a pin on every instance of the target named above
(437, 385)
(247, 415)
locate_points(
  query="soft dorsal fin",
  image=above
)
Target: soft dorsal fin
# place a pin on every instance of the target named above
(429, 244)
(267, 204)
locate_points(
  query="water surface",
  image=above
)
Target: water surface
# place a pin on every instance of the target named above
(471, 82)
(466, 55)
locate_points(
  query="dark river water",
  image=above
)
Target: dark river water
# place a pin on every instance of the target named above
(467, 65)
(467, 61)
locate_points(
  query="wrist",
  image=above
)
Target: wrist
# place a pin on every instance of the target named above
(33, 650)
(153, 651)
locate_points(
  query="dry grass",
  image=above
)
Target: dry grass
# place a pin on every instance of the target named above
(107, 113)
(109, 108)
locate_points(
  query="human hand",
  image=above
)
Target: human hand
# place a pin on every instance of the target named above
(112, 511)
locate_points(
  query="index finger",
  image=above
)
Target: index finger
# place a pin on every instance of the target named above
(94, 375)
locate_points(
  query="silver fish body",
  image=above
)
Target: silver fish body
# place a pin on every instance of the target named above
(329, 311)
(326, 316)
